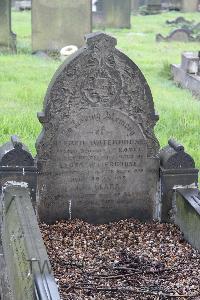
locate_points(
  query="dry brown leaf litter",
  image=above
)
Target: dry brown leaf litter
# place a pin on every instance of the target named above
(123, 260)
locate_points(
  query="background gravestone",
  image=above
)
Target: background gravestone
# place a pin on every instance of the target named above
(113, 13)
(7, 37)
(135, 5)
(189, 5)
(153, 6)
(56, 24)
(97, 152)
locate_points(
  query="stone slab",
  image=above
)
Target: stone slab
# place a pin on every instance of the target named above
(7, 37)
(97, 152)
(56, 24)
(187, 214)
(188, 81)
(23, 248)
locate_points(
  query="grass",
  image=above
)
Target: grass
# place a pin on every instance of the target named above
(24, 80)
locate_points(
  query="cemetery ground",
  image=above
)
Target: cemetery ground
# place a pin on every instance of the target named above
(24, 79)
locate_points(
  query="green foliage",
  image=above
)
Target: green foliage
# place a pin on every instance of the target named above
(24, 80)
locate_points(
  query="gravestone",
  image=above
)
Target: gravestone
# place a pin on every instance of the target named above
(153, 6)
(97, 153)
(7, 37)
(112, 13)
(56, 24)
(135, 5)
(189, 5)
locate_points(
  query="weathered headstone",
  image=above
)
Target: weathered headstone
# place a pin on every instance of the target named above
(113, 13)
(7, 37)
(56, 24)
(190, 5)
(97, 152)
(26, 265)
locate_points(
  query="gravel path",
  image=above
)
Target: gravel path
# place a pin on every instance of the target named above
(123, 260)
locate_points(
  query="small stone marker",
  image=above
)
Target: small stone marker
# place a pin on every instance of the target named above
(187, 74)
(56, 24)
(112, 13)
(97, 152)
(7, 37)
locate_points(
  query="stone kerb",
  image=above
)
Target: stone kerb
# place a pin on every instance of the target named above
(187, 214)
(26, 262)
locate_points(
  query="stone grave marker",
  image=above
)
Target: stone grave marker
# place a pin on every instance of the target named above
(112, 13)
(153, 6)
(97, 153)
(56, 24)
(7, 37)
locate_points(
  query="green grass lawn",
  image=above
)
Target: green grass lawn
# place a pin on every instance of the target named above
(24, 80)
